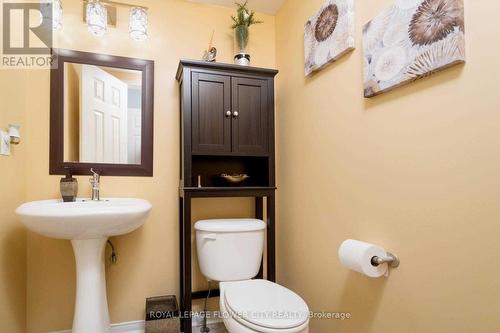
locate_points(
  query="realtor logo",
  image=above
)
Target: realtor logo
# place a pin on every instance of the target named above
(26, 35)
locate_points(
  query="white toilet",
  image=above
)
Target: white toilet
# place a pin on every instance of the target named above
(230, 251)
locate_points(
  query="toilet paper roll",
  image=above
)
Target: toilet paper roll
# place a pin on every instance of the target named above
(357, 255)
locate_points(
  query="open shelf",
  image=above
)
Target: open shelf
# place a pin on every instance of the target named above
(210, 168)
(221, 192)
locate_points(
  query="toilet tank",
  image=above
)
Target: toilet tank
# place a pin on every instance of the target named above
(230, 249)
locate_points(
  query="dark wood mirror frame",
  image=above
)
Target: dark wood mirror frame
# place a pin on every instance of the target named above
(57, 164)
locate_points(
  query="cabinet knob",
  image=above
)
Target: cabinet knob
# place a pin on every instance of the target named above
(228, 114)
(235, 114)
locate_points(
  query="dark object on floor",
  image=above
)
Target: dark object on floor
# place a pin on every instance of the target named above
(216, 328)
(162, 315)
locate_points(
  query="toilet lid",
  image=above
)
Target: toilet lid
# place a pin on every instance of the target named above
(266, 304)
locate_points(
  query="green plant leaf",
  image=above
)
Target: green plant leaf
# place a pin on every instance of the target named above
(244, 16)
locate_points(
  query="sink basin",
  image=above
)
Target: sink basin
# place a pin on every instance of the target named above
(88, 224)
(84, 219)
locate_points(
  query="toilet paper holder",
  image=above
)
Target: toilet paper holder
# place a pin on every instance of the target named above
(391, 259)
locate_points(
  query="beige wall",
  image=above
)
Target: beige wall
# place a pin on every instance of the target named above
(148, 263)
(416, 170)
(12, 191)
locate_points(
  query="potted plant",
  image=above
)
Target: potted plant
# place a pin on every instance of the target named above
(242, 21)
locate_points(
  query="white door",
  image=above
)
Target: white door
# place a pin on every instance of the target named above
(134, 135)
(103, 117)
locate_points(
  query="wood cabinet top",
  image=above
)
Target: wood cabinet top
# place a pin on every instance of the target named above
(223, 67)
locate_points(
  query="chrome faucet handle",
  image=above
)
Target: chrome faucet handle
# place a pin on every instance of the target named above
(95, 174)
(95, 177)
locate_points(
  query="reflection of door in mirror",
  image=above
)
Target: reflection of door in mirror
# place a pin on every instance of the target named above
(103, 117)
(103, 114)
(134, 124)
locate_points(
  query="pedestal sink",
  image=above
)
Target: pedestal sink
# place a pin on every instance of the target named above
(88, 224)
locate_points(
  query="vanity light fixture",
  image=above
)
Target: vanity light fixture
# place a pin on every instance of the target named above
(52, 10)
(97, 18)
(101, 13)
(138, 24)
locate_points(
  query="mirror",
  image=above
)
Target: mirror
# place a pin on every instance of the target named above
(101, 114)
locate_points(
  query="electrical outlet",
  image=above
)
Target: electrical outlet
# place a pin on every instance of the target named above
(4, 143)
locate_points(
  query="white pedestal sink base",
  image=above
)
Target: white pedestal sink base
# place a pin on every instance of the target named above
(88, 224)
(91, 309)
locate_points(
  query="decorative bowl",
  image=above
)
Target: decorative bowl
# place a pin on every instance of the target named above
(235, 178)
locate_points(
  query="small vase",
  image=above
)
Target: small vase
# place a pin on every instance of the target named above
(241, 35)
(242, 59)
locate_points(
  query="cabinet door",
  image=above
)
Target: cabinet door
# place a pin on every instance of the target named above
(211, 113)
(250, 116)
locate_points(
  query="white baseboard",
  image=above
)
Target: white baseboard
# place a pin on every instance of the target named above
(139, 326)
(128, 327)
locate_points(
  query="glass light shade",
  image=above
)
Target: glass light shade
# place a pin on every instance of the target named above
(138, 25)
(97, 18)
(52, 10)
(57, 15)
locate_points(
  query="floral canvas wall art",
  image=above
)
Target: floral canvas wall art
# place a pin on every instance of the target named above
(411, 40)
(329, 34)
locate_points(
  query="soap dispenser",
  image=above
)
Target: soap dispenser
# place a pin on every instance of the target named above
(69, 187)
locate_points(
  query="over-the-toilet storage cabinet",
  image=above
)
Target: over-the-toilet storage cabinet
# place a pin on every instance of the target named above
(230, 114)
(227, 126)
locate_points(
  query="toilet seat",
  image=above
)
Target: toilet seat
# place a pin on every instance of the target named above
(264, 306)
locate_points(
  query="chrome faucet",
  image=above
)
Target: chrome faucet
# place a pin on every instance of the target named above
(95, 181)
